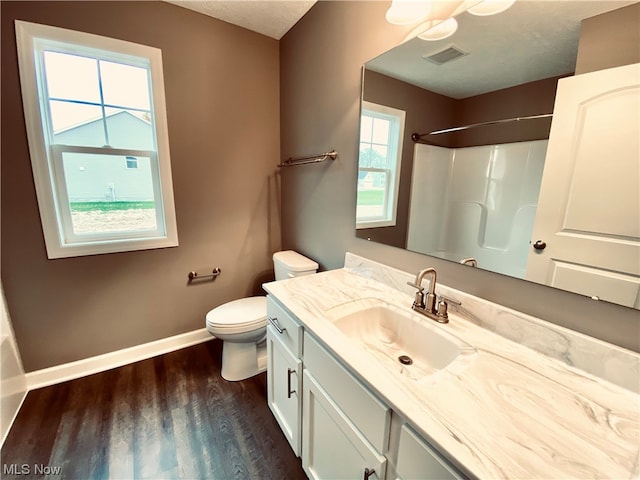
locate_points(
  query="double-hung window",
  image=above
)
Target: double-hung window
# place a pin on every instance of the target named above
(381, 131)
(97, 129)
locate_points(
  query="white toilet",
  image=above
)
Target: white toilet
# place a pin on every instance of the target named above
(242, 324)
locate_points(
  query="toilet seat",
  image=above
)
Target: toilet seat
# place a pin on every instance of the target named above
(238, 316)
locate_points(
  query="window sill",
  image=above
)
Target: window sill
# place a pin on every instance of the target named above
(111, 246)
(375, 224)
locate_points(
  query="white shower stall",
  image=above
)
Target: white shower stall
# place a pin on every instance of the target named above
(476, 202)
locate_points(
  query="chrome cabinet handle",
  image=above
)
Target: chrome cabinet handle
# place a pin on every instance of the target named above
(274, 322)
(367, 473)
(289, 391)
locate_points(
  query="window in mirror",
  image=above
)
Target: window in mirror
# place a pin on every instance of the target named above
(381, 132)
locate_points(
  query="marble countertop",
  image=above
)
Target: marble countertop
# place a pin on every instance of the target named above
(511, 412)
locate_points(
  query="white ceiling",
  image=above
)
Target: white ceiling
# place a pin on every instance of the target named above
(532, 40)
(272, 18)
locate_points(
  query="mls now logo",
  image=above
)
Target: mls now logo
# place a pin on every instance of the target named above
(25, 469)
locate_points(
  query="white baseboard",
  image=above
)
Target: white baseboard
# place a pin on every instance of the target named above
(107, 361)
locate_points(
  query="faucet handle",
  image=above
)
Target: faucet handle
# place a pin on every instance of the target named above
(441, 310)
(449, 300)
(418, 303)
(442, 314)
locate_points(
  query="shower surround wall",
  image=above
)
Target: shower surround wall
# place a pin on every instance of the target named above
(485, 210)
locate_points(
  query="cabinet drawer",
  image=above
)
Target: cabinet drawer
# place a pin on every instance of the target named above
(417, 460)
(362, 408)
(288, 330)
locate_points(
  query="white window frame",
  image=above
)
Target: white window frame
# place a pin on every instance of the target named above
(392, 188)
(46, 158)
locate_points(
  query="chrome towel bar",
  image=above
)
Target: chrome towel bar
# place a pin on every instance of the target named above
(290, 162)
(213, 275)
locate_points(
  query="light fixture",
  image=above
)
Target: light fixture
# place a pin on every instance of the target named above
(437, 17)
(490, 7)
(407, 12)
(439, 29)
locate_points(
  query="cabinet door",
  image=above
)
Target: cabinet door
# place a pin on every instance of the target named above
(418, 461)
(284, 384)
(366, 412)
(332, 447)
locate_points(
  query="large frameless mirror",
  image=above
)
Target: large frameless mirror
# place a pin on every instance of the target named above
(454, 136)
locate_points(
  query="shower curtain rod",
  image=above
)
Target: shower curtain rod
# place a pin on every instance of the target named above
(418, 136)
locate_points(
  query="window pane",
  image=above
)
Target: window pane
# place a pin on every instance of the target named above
(381, 130)
(105, 196)
(379, 156)
(365, 155)
(373, 156)
(125, 85)
(77, 124)
(366, 126)
(129, 129)
(72, 77)
(372, 196)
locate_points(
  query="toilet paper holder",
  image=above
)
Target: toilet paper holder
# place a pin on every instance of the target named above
(213, 275)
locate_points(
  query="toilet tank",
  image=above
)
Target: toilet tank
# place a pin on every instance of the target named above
(289, 264)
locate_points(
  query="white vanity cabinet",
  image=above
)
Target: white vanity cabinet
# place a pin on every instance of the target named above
(339, 427)
(345, 428)
(332, 446)
(417, 460)
(284, 371)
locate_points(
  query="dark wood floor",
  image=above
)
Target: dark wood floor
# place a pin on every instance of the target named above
(171, 416)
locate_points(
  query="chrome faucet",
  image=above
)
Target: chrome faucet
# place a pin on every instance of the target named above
(428, 306)
(469, 261)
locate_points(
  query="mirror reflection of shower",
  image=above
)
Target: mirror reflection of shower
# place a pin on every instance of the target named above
(481, 203)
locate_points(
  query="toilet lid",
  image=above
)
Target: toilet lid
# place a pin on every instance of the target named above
(246, 312)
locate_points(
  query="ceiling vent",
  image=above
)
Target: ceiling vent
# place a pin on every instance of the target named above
(444, 56)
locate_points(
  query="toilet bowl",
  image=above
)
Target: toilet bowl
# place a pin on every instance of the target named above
(242, 324)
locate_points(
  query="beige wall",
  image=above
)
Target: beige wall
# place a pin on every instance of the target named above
(320, 69)
(222, 97)
(533, 98)
(622, 30)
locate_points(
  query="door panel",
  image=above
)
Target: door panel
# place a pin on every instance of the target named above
(589, 208)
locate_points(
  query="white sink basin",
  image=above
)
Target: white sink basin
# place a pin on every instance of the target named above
(403, 341)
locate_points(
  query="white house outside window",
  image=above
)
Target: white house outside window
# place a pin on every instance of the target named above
(132, 162)
(381, 131)
(97, 129)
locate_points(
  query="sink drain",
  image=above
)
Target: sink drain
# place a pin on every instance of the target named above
(405, 359)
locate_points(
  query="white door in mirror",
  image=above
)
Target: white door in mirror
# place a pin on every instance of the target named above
(589, 208)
